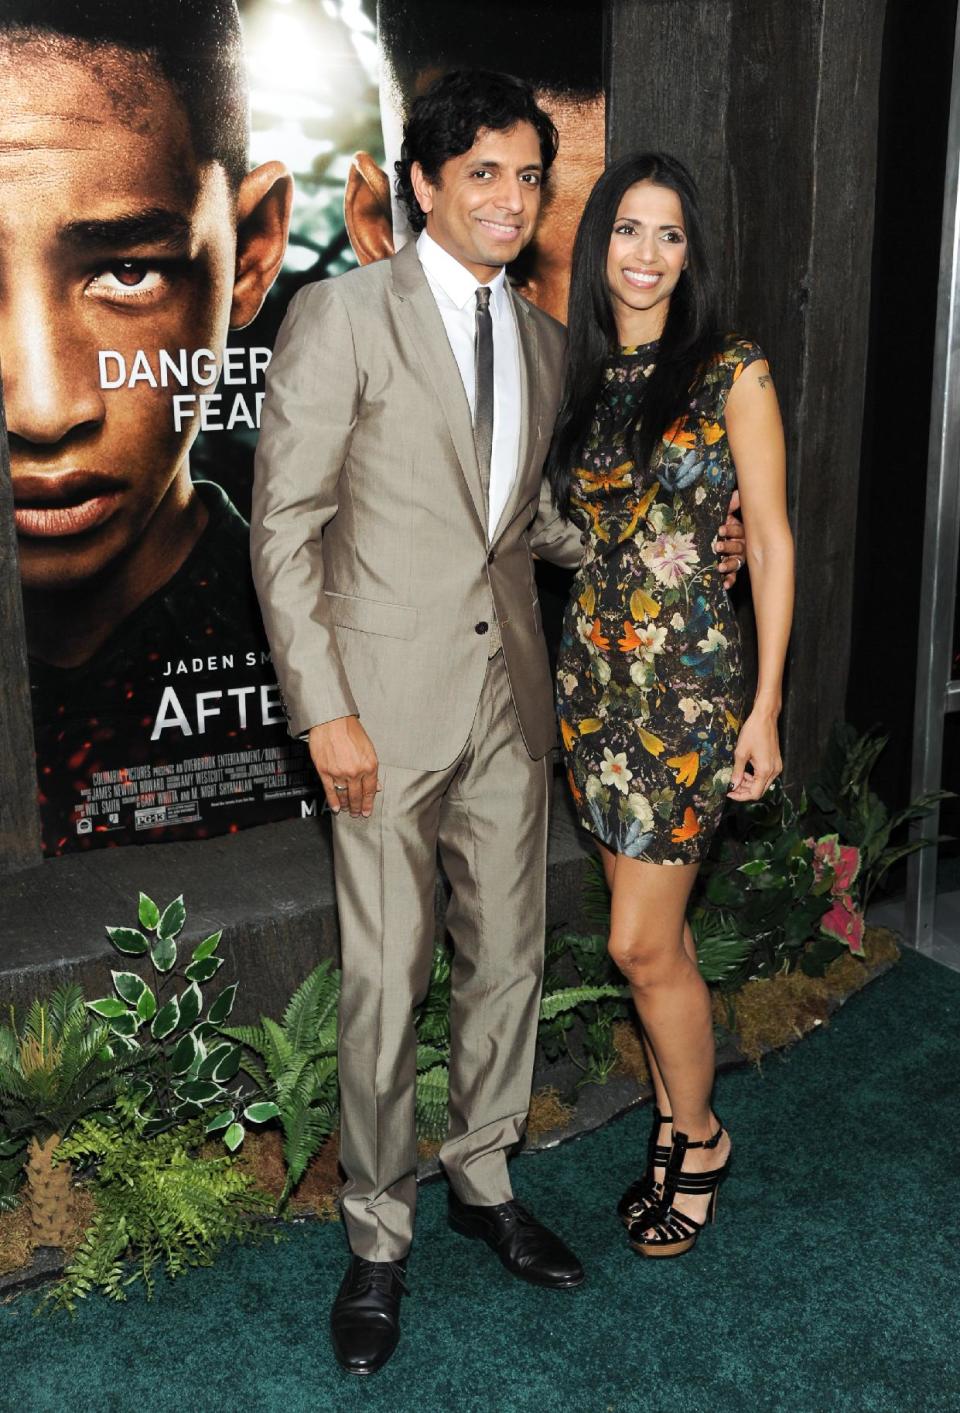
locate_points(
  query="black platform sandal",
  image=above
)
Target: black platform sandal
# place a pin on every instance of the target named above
(662, 1230)
(643, 1193)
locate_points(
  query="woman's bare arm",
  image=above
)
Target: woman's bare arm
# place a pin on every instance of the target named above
(755, 434)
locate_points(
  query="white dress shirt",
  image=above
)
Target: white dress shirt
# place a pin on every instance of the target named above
(455, 290)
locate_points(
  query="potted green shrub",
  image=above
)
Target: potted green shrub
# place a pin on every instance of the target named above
(56, 1068)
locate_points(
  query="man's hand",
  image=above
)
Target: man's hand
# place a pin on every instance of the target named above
(344, 755)
(730, 545)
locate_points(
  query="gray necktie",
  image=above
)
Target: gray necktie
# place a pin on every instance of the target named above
(483, 367)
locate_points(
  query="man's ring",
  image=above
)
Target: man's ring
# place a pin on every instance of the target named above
(739, 562)
(341, 789)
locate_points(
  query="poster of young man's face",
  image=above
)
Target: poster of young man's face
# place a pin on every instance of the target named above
(170, 174)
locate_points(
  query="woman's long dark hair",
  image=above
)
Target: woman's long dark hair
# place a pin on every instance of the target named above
(691, 335)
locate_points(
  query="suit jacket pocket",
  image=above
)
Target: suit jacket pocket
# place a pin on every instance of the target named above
(390, 620)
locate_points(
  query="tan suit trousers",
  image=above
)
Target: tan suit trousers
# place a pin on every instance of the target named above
(487, 815)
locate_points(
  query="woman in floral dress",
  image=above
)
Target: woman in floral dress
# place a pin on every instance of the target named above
(664, 415)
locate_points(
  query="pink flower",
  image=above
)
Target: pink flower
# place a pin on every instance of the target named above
(844, 921)
(842, 860)
(846, 868)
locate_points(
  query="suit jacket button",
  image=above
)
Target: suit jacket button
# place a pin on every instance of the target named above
(482, 627)
(491, 556)
(584, 539)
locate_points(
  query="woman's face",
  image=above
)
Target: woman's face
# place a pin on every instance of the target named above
(648, 251)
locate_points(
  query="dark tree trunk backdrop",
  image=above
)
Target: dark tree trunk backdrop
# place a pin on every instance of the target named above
(914, 108)
(19, 818)
(773, 104)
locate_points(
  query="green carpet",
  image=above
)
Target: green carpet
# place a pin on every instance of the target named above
(830, 1282)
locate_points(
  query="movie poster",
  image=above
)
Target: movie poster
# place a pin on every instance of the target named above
(170, 174)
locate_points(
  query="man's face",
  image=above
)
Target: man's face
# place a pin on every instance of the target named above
(484, 206)
(542, 272)
(112, 236)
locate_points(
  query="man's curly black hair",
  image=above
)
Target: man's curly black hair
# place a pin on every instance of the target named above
(444, 122)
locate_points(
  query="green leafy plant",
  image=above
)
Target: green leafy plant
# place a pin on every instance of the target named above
(56, 1068)
(159, 1203)
(840, 801)
(188, 1063)
(723, 952)
(600, 1050)
(432, 1016)
(583, 994)
(564, 1001)
(763, 887)
(571, 997)
(11, 1169)
(294, 1066)
(432, 1021)
(595, 1008)
(595, 900)
(433, 1092)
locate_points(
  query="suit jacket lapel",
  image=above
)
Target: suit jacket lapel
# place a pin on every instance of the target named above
(423, 321)
(529, 409)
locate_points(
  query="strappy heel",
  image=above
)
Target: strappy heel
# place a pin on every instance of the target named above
(643, 1193)
(662, 1230)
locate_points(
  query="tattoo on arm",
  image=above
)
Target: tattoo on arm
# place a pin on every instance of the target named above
(764, 380)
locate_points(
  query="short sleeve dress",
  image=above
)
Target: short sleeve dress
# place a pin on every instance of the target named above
(649, 675)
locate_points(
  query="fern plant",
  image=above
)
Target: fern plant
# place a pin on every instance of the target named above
(596, 1007)
(583, 995)
(432, 1017)
(432, 1020)
(159, 1204)
(55, 1068)
(571, 997)
(433, 1093)
(294, 1066)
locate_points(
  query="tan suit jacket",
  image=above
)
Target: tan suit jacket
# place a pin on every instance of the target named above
(371, 556)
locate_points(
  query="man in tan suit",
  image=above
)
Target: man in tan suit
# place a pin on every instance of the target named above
(392, 553)
(398, 499)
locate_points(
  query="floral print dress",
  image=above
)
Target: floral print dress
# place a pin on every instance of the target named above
(649, 678)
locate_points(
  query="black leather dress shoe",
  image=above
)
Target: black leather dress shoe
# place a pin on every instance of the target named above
(526, 1248)
(365, 1319)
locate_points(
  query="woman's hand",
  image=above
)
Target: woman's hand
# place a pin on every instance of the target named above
(758, 747)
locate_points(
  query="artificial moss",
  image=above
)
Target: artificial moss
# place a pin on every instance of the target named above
(771, 1014)
(630, 1057)
(315, 1195)
(547, 1112)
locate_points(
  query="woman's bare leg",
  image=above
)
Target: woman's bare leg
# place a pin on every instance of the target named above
(650, 943)
(660, 1097)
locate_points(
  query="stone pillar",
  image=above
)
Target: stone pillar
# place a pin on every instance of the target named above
(19, 815)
